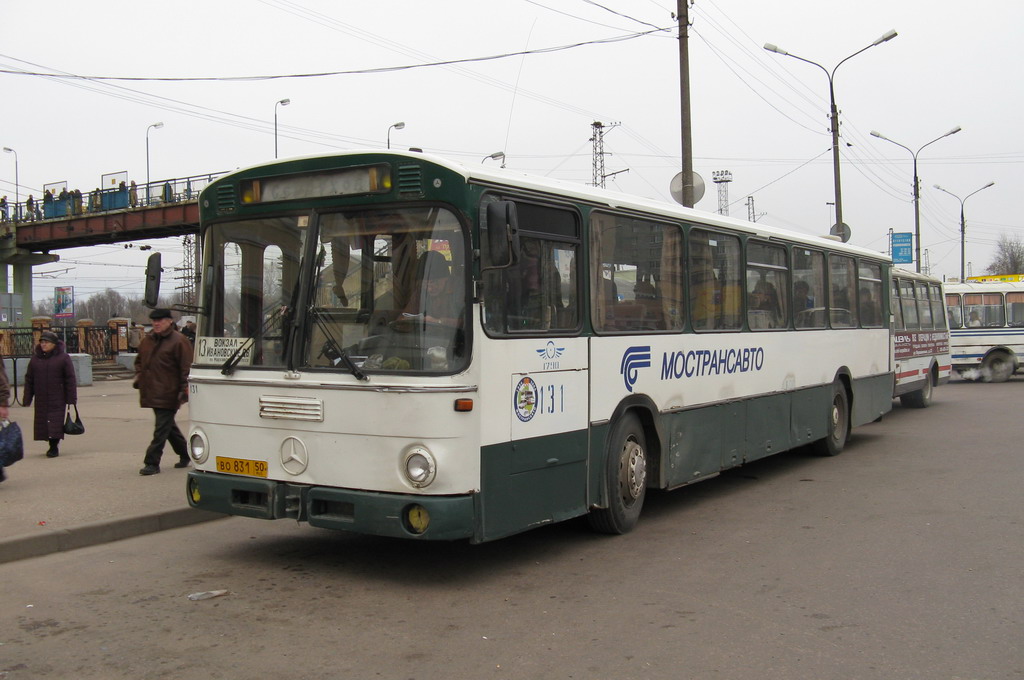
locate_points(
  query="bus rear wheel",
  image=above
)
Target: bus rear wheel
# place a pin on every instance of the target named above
(625, 478)
(997, 367)
(838, 424)
(922, 398)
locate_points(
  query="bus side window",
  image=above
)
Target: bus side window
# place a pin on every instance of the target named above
(897, 307)
(870, 299)
(1015, 309)
(808, 288)
(636, 274)
(767, 286)
(538, 293)
(716, 281)
(843, 282)
(953, 311)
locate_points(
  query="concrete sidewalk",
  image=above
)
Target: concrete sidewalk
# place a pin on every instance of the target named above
(92, 493)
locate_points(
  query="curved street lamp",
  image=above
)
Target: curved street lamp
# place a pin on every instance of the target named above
(282, 102)
(396, 126)
(154, 126)
(17, 193)
(497, 155)
(917, 188)
(834, 115)
(963, 229)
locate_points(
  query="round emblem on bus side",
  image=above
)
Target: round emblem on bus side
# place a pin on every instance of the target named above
(524, 399)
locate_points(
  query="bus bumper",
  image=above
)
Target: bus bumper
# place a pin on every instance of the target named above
(367, 512)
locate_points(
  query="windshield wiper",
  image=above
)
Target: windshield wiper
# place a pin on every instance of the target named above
(228, 367)
(333, 350)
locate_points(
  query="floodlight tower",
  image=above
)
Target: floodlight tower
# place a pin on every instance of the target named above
(722, 179)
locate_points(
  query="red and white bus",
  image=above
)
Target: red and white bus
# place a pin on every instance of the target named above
(920, 337)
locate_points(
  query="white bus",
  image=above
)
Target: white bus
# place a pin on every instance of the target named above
(986, 322)
(920, 338)
(395, 344)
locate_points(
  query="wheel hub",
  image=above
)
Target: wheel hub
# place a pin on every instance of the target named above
(633, 476)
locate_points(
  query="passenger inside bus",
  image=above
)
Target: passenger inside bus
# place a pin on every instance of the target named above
(434, 297)
(764, 307)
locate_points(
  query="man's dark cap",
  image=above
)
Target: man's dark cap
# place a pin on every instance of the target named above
(160, 314)
(49, 336)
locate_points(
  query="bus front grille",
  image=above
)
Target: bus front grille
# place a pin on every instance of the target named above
(309, 409)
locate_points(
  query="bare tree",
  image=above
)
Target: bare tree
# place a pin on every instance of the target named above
(1009, 257)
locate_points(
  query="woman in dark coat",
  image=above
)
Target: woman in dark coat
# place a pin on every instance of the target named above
(50, 380)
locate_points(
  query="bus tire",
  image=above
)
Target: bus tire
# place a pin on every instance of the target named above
(625, 478)
(838, 423)
(997, 367)
(921, 398)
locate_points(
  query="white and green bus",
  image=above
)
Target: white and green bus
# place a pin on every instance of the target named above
(395, 344)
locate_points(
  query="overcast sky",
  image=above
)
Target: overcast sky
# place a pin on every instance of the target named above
(761, 116)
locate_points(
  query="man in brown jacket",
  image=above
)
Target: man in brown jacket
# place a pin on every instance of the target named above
(161, 376)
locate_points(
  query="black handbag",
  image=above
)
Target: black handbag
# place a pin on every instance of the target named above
(73, 426)
(11, 449)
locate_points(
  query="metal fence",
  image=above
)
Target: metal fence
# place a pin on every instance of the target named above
(100, 342)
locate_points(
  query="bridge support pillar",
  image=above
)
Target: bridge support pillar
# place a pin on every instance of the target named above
(3, 279)
(22, 286)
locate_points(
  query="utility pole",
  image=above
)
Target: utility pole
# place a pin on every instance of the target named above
(683, 17)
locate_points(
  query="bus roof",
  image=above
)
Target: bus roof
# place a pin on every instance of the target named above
(490, 175)
(985, 287)
(916, 276)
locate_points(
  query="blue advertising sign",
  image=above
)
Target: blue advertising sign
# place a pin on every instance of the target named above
(903, 247)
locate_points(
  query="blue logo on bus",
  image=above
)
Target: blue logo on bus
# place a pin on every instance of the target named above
(549, 355)
(634, 359)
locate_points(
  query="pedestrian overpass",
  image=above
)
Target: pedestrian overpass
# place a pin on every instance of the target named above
(167, 208)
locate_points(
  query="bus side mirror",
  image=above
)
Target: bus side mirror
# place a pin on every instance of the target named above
(151, 297)
(502, 234)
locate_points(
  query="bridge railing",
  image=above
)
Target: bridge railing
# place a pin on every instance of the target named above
(124, 197)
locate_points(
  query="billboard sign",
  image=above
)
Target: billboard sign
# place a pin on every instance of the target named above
(64, 302)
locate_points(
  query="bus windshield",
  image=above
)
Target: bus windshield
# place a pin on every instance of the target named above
(386, 292)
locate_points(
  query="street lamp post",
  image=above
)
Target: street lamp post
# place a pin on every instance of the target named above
(282, 102)
(17, 185)
(917, 188)
(834, 111)
(396, 126)
(963, 225)
(155, 126)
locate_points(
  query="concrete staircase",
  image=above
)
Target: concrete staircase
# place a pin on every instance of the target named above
(110, 370)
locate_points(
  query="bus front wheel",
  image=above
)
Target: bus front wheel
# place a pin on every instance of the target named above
(838, 424)
(625, 478)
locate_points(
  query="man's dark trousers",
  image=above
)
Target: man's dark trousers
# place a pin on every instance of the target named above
(165, 429)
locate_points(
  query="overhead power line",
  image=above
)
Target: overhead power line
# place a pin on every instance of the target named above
(324, 74)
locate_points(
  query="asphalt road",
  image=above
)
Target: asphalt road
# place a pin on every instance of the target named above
(899, 559)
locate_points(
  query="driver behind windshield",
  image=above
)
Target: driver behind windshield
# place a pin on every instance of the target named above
(435, 297)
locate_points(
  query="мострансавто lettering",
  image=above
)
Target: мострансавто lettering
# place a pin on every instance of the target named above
(701, 362)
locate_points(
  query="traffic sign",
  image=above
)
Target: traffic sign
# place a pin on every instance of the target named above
(902, 247)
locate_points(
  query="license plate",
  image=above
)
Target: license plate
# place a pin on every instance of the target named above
(241, 466)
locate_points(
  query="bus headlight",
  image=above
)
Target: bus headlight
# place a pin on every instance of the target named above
(198, 448)
(419, 467)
